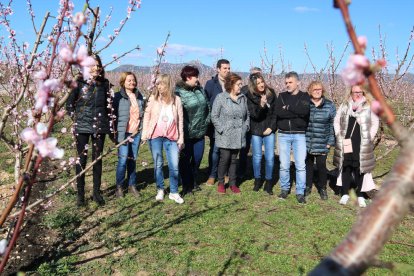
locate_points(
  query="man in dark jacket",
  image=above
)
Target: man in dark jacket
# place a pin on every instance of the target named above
(293, 115)
(212, 88)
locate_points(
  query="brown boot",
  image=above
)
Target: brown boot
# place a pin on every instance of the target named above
(119, 191)
(133, 191)
(210, 181)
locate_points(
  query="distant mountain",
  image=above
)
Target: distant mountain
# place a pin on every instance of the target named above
(165, 67)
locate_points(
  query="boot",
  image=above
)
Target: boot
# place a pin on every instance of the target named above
(323, 194)
(308, 190)
(257, 184)
(268, 188)
(80, 202)
(96, 196)
(133, 191)
(119, 192)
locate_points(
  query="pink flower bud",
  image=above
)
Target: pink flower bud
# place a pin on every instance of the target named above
(362, 41)
(376, 107)
(66, 54)
(79, 19)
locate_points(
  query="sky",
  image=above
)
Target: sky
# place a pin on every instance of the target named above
(239, 30)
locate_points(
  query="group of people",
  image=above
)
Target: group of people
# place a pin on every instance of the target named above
(177, 117)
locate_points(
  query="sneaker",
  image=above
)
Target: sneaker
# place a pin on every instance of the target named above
(301, 199)
(221, 189)
(210, 181)
(323, 194)
(176, 197)
(284, 194)
(361, 202)
(344, 199)
(160, 195)
(235, 189)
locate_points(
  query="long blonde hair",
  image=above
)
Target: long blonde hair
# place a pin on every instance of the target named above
(169, 97)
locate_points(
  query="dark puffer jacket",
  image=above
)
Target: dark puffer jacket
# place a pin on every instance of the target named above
(196, 110)
(261, 118)
(320, 132)
(89, 108)
(122, 106)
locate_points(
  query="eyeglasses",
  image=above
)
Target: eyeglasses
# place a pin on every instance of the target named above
(358, 92)
(317, 89)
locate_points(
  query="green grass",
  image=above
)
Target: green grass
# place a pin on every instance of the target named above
(250, 234)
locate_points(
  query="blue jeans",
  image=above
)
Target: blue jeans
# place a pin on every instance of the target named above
(127, 161)
(296, 142)
(269, 153)
(171, 150)
(213, 158)
(190, 160)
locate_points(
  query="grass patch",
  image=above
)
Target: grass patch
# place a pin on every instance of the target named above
(251, 233)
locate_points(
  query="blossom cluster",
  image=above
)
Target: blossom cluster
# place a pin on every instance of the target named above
(45, 146)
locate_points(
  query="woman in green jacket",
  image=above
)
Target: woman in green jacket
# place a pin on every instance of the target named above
(196, 119)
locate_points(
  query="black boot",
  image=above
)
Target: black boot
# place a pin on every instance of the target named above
(323, 194)
(97, 197)
(308, 190)
(257, 184)
(268, 188)
(80, 202)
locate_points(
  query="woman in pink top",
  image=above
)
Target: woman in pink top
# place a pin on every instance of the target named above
(163, 128)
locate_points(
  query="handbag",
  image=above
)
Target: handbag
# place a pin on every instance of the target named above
(347, 143)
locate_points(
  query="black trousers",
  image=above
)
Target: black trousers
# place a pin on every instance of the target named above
(82, 139)
(348, 183)
(228, 164)
(321, 168)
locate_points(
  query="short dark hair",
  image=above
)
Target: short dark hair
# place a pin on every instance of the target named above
(189, 71)
(230, 80)
(222, 61)
(292, 74)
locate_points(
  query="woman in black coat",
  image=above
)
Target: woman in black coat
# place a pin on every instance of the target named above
(261, 101)
(87, 105)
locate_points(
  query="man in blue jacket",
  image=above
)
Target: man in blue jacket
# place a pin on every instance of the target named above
(292, 121)
(212, 88)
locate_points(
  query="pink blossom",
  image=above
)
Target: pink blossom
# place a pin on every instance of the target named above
(354, 71)
(41, 97)
(376, 107)
(61, 113)
(362, 41)
(41, 75)
(47, 148)
(52, 84)
(29, 135)
(50, 38)
(359, 61)
(382, 62)
(66, 54)
(79, 19)
(351, 76)
(160, 51)
(41, 129)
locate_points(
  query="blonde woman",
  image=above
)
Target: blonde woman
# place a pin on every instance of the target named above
(355, 128)
(163, 128)
(319, 137)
